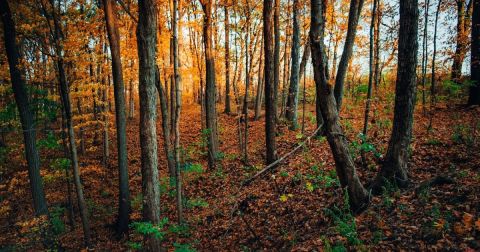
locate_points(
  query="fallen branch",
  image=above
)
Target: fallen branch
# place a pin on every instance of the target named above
(284, 157)
(436, 181)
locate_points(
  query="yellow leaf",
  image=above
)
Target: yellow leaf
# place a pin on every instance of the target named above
(283, 198)
(439, 224)
(309, 187)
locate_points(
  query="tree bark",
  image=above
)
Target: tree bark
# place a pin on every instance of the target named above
(461, 47)
(394, 168)
(276, 54)
(260, 89)
(123, 217)
(210, 90)
(370, 70)
(434, 56)
(26, 117)
(358, 196)
(474, 98)
(270, 61)
(292, 102)
(228, 109)
(147, 43)
(353, 16)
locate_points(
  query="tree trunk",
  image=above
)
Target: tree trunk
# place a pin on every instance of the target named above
(292, 102)
(210, 90)
(178, 104)
(260, 89)
(358, 196)
(434, 80)
(353, 16)
(276, 56)
(425, 56)
(270, 101)
(394, 168)
(123, 217)
(147, 43)
(370, 70)
(228, 109)
(26, 116)
(474, 98)
(463, 24)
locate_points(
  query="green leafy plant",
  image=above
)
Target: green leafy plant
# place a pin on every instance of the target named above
(149, 229)
(345, 222)
(197, 202)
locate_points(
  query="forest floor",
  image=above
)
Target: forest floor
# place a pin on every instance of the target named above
(298, 206)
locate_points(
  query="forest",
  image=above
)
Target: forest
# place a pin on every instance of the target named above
(221, 125)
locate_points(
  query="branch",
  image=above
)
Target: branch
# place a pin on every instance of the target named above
(274, 164)
(124, 7)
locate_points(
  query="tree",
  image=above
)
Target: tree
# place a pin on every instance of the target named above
(353, 16)
(434, 56)
(119, 95)
(349, 180)
(24, 108)
(394, 168)
(464, 10)
(57, 35)
(270, 101)
(227, 62)
(292, 102)
(147, 43)
(210, 89)
(474, 98)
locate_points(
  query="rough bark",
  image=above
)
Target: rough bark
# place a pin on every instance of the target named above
(474, 98)
(292, 101)
(210, 90)
(227, 63)
(26, 117)
(463, 24)
(358, 196)
(276, 54)
(394, 168)
(147, 42)
(123, 217)
(353, 16)
(260, 89)
(270, 102)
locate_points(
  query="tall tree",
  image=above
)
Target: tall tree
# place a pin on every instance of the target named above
(357, 194)
(147, 43)
(370, 68)
(210, 89)
(353, 16)
(270, 102)
(394, 168)
(17, 75)
(228, 108)
(123, 217)
(434, 56)
(58, 37)
(276, 53)
(292, 102)
(425, 54)
(474, 98)
(464, 11)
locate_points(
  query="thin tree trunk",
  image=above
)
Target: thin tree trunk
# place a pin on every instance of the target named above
(353, 17)
(147, 43)
(434, 57)
(276, 55)
(461, 47)
(292, 102)
(358, 196)
(123, 217)
(370, 71)
(271, 59)
(424, 56)
(394, 168)
(211, 113)
(228, 109)
(26, 116)
(474, 98)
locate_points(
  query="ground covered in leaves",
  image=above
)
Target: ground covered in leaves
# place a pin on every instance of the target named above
(298, 206)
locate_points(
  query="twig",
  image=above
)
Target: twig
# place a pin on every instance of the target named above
(274, 164)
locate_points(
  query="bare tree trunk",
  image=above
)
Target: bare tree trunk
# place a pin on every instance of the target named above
(276, 55)
(292, 102)
(270, 60)
(353, 16)
(210, 110)
(178, 104)
(434, 80)
(424, 56)
(228, 109)
(259, 96)
(26, 116)
(123, 217)
(463, 24)
(394, 168)
(474, 98)
(358, 196)
(147, 43)
(65, 98)
(370, 71)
